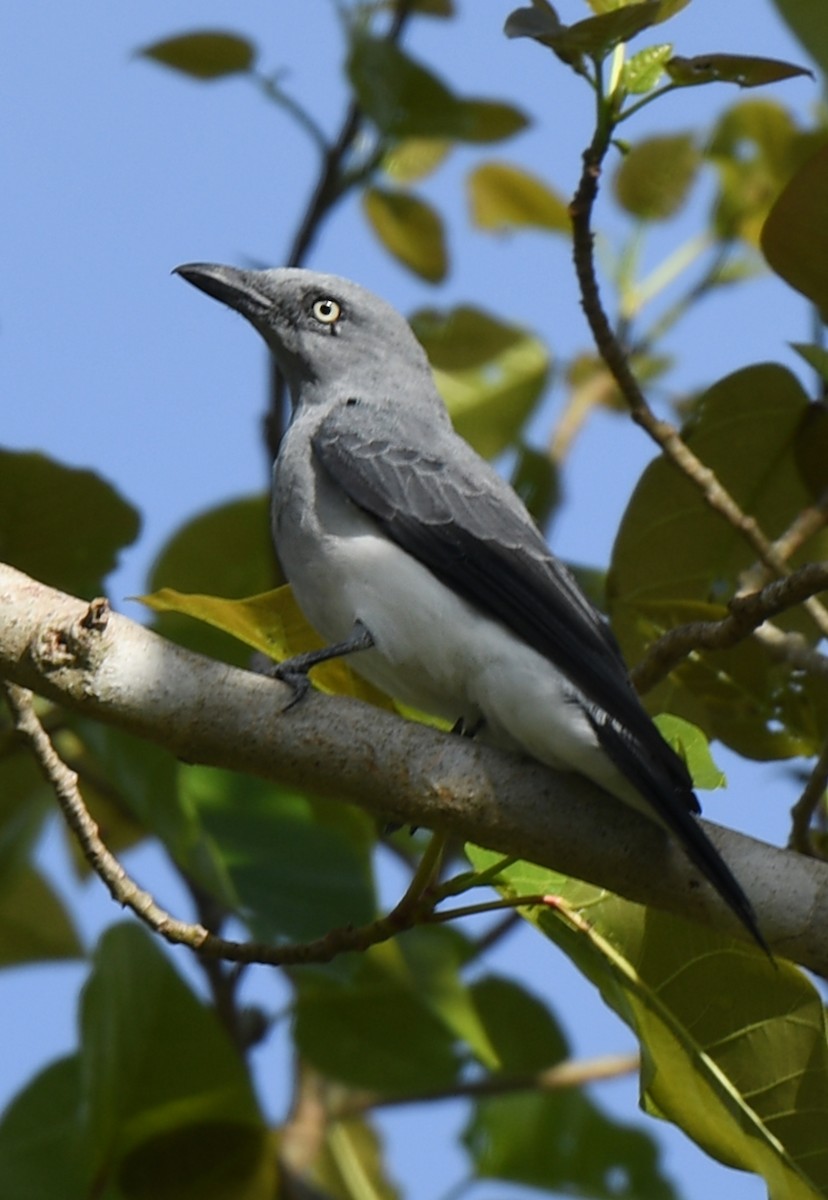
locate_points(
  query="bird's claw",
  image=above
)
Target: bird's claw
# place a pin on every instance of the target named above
(297, 681)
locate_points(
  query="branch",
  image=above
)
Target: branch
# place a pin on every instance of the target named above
(747, 613)
(109, 668)
(571, 1073)
(803, 811)
(665, 435)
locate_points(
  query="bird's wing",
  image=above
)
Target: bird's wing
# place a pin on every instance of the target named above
(439, 502)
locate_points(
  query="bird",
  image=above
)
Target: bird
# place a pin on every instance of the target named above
(407, 550)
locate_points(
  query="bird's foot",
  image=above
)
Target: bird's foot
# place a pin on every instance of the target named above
(294, 671)
(461, 729)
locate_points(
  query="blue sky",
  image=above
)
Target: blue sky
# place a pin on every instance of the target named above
(116, 170)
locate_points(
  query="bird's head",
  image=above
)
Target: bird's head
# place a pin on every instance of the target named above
(329, 335)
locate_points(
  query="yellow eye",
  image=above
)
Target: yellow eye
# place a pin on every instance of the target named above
(326, 310)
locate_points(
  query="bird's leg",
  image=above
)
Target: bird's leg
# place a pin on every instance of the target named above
(294, 671)
(461, 729)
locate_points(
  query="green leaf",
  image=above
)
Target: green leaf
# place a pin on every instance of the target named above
(41, 1143)
(561, 1142)
(25, 800)
(156, 1061)
(734, 1047)
(491, 375)
(34, 924)
(273, 624)
(61, 525)
(524, 1035)
(673, 556)
(756, 148)
(536, 480)
(404, 99)
(596, 36)
(807, 21)
(642, 71)
(212, 1160)
(298, 867)
(743, 69)
(207, 54)
(815, 356)
(811, 445)
(795, 234)
(410, 229)
(343, 1027)
(689, 741)
(502, 196)
(654, 179)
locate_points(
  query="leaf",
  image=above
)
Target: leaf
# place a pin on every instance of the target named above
(642, 71)
(522, 1032)
(795, 234)
(756, 148)
(207, 54)
(273, 624)
(298, 866)
(807, 21)
(413, 159)
(350, 1157)
(156, 1062)
(815, 356)
(811, 444)
(536, 480)
(34, 924)
(343, 1029)
(743, 69)
(596, 36)
(61, 525)
(502, 196)
(689, 742)
(404, 99)
(734, 1047)
(672, 550)
(654, 179)
(41, 1145)
(410, 229)
(490, 374)
(563, 1143)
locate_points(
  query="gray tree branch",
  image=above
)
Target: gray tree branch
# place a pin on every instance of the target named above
(89, 659)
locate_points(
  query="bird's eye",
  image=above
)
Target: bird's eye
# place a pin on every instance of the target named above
(326, 310)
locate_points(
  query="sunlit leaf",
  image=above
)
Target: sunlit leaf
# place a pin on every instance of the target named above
(595, 36)
(207, 54)
(689, 741)
(350, 1151)
(273, 624)
(410, 229)
(642, 71)
(733, 1047)
(795, 234)
(404, 99)
(654, 179)
(61, 525)
(490, 374)
(502, 197)
(742, 69)
(412, 159)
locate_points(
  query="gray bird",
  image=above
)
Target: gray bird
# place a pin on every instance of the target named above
(407, 549)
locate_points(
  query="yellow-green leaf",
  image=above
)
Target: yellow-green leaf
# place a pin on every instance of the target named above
(795, 234)
(273, 624)
(502, 196)
(653, 181)
(410, 229)
(414, 158)
(734, 1049)
(643, 70)
(490, 374)
(207, 54)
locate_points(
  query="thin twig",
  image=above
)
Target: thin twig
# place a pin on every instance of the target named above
(803, 811)
(747, 613)
(414, 907)
(569, 1074)
(664, 434)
